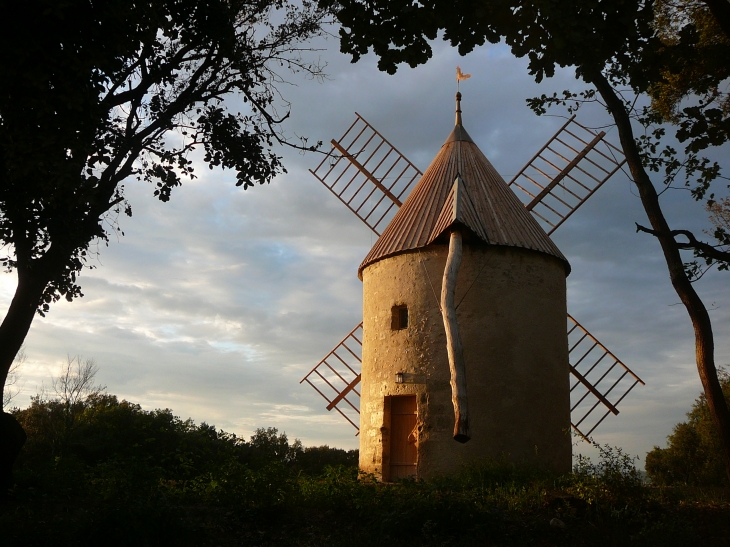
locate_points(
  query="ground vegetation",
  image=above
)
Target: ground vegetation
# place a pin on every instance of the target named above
(123, 475)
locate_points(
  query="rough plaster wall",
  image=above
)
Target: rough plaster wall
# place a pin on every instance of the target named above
(513, 327)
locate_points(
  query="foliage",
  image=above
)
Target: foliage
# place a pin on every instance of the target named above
(720, 215)
(613, 480)
(693, 454)
(399, 31)
(694, 64)
(107, 433)
(315, 459)
(131, 476)
(97, 93)
(105, 84)
(719, 212)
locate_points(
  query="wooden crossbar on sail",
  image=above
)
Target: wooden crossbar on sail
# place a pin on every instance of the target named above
(368, 174)
(337, 376)
(601, 380)
(565, 172)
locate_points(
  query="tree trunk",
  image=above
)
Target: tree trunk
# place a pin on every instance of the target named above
(13, 331)
(18, 319)
(453, 340)
(704, 341)
(12, 439)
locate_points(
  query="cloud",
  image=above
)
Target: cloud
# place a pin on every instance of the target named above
(217, 303)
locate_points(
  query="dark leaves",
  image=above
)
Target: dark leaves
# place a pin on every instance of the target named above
(235, 142)
(95, 92)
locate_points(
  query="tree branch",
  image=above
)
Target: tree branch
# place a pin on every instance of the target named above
(705, 250)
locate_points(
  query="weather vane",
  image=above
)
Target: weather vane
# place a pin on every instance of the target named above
(460, 76)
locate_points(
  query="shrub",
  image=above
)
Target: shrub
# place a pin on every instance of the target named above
(609, 485)
(693, 455)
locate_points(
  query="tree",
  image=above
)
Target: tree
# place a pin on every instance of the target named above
(612, 44)
(693, 453)
(268, 445)
(94, 93)
(720, 217)
(694, 49)
(56, 418)
(76, 381)
(73, 386)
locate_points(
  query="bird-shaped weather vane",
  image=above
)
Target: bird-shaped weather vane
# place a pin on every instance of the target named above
(460, 76)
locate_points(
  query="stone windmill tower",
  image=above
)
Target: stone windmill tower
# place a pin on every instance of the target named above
(495, 368)
(463, 353)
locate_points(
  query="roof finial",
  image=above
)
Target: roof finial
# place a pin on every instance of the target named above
(459, 76)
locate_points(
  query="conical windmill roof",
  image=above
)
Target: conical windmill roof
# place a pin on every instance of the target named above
(461, 188)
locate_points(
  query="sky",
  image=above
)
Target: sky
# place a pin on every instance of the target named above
(218, 302)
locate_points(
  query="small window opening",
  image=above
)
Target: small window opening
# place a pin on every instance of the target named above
(399, 318)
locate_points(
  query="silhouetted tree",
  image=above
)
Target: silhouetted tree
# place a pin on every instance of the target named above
(95, 92)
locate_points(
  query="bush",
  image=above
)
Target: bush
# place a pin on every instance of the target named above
(693, 456)
(609, 485)
(313, 460)
(120, 475)
(118, 448)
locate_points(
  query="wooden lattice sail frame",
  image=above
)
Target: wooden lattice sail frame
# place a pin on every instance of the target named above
(600, 379)
(372, 178)
(337, 376)
(565, 172)
(368, 174)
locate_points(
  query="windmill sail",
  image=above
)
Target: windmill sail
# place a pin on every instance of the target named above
(337, 376)
(367, 174)
(568, 170)
(372, 179)
(600, 381)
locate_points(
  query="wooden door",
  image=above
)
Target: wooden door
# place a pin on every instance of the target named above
(403, 450)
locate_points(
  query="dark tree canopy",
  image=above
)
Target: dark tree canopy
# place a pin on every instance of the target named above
(90, 92)
(96, 93)
(548, 32)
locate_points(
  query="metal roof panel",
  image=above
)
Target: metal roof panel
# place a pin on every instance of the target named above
(486, 205)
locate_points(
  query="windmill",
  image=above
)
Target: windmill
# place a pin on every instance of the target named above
(461, 194)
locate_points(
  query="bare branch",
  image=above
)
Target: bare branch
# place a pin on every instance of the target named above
(704, 250)
(76, 381)
(10, 389)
